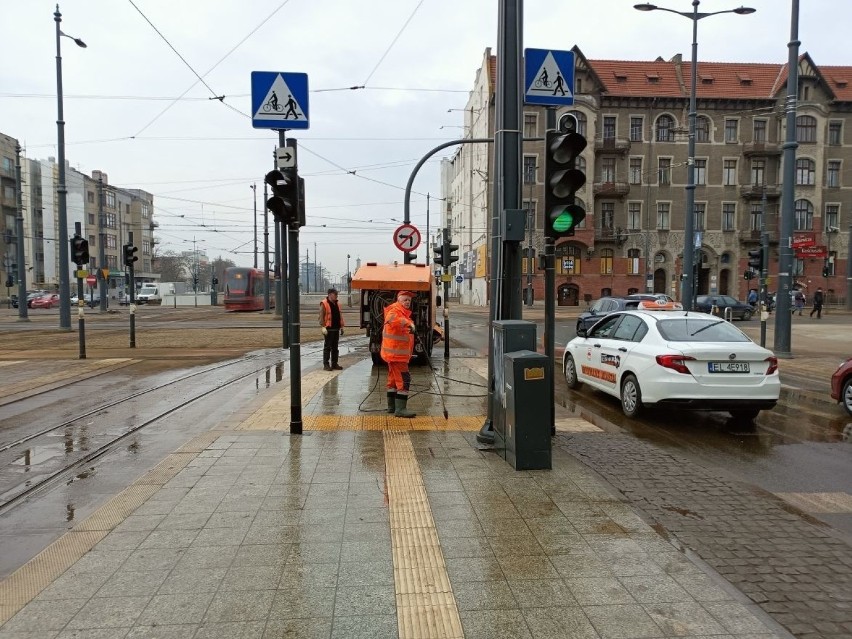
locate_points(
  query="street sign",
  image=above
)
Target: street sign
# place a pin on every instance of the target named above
(406, 238)
(459, 279)
(285, 157)
(812, 251)
(91, 280)
(802, 240)
(548, 77)
(105, 273)
(279, 100)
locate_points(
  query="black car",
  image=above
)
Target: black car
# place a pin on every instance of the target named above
(603, 307)
(739, 310)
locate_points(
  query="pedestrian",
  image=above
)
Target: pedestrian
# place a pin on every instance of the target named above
(798, 302)
(818, 300)
(752, 297)
(331, 320)
(397, 347)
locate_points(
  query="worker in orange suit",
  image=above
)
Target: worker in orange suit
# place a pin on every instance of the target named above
(397, 347)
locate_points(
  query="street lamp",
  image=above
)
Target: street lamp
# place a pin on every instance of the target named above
(348, 281)
(61, 191)
(688, 283)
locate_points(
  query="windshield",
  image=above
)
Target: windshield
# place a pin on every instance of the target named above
(696, 329)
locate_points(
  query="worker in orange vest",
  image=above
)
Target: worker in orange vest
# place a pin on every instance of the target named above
(331, 321)
(397, 346)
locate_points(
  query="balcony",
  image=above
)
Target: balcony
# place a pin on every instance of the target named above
(755, 191)
(611, 189)
(761, 148)
(612, 145)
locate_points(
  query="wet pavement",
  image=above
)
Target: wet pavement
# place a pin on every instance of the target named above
(373, 526)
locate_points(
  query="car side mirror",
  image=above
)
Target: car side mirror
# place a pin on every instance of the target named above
(582, 332)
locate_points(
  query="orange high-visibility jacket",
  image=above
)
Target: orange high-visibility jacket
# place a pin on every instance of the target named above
(325, 314)
(397, 340)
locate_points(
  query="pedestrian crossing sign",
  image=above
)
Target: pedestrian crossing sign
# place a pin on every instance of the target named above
(548, 77)
(279, 100)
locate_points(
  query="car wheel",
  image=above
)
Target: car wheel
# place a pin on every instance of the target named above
(631, 396)
(846, 395)
(745, 414)
(746, 316)
(571, 372)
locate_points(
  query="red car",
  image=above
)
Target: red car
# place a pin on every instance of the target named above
(46, 301)
(841, 385)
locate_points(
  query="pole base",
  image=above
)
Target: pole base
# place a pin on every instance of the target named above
(486, 433)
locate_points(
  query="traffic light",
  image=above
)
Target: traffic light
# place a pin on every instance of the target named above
(284, 202)
(755, 259)
(826, 271)
(129, 256)
(10, 282)
(438, 254)
(562, 179)
(748, 275)
(443, 254)
(79, 250)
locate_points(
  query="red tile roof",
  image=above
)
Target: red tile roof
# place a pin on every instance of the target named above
(840, 81)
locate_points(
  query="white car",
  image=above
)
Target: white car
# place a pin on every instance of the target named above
(673, 358)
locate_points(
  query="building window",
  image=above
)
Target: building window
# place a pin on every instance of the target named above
(758, 172)
(701, 171)
(9, 192)
(112, 262)
(91, 219)
(146, 247)
(568, 260)
(806, 128)
(8, 164)
(835, 133)
(665, 171)
(805, 172)
(833, 174)
(92, 240)
(530, 125)
(756, 217)
(110, 220)
(759, 130)
(608, 170)
(702, 129)
(110, 199)
(729, 212)
(90, 197)
(636, 127)
(732, 129)
(633, 261)
(636, 170)
(581, 122)
(804, 215)
(111, 241)
(665, 128)
(607, 217)
(700, 215)
(832, 215)
(606, 261)
(798, 266)
(144, 209)
(729, 172)
(529, 169)
(634, 216)
(663, 216)
(609, 127)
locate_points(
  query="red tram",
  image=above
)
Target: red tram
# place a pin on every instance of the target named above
(245, 287)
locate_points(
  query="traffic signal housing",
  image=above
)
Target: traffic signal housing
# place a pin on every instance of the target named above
(748, 275)
(129, 256)
(443, 254)
(562, 180)
(826, 271)
(755, 259)
(79, 250)
(284, 202)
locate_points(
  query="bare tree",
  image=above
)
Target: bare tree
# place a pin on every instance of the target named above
(217, 268)
(171, 266)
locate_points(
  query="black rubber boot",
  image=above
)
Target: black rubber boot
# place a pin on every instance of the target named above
(391, 401)
(401, 411)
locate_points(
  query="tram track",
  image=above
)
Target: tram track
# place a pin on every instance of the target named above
(18, 494)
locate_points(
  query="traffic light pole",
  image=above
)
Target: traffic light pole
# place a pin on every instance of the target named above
(20, 247)
(764, 270)
(286, 256)
(445, 254)
(550, 294)
(81, 314)
(130, 275)
(102, 281)
(292, 231)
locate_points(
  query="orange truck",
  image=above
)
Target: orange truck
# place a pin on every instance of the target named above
(379, 284)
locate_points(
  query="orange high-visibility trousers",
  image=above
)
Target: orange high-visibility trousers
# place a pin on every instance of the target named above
(398, 377)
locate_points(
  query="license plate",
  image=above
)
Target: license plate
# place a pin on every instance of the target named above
(728, 367)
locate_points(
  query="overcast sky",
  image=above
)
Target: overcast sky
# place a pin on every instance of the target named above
(417, 59)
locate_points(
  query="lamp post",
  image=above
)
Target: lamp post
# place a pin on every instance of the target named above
(61, 191)
(253, 187)
(348, 281)
(688, 283)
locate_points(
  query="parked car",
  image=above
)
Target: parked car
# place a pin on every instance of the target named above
(673, 358)
(45, 301)
(650, 296)
(13, 300)
(841, 385)
(603, 307)
(31, 295)
(739, 310)
(90, 300)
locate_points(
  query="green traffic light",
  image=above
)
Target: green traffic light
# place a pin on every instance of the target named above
(563, 222)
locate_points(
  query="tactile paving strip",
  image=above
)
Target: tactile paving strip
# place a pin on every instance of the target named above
(426, 607)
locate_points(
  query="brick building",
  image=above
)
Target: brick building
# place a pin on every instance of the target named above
(634, 115)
